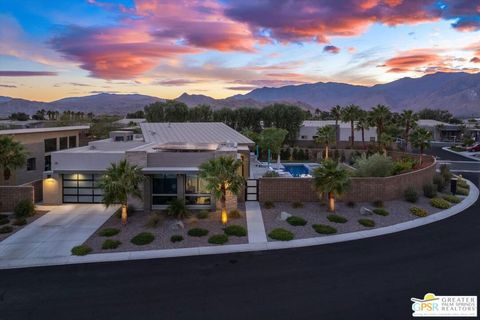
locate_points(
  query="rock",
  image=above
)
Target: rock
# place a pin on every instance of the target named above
(364, 211)
(283, 216)
(177, 225)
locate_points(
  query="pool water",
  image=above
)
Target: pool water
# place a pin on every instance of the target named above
(296, 169)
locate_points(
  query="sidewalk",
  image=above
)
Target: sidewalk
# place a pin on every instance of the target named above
(256, 228)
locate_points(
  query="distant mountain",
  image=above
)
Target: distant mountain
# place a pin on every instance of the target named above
(193, 100)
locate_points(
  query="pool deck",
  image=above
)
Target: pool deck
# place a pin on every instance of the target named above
(257, 171)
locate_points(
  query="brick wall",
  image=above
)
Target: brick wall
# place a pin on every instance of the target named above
(361, 189)
(11, 195)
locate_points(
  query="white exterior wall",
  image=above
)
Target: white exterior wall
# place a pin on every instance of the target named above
(307, 133)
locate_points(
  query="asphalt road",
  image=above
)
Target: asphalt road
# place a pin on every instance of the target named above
(365, 279)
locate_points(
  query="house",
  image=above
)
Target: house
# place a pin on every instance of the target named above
(308, 132)
(168, 153)
(129, 122)
(442, 131)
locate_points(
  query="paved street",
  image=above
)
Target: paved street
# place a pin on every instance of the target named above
(366, 279)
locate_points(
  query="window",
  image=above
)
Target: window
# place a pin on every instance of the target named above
(63, 143)
(119, 138)
(50, 145)
(72, 141)
(31, 164)
(372, 139)
(164, 188)
(196, 192)
(48, 163)
(82, 188)
(303, 137)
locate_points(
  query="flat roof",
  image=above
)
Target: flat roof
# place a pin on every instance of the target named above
(41, 130)
(323, 123)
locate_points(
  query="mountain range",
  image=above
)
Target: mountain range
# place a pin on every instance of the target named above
(458, 93)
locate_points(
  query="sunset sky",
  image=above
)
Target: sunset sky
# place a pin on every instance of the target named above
(53, 49)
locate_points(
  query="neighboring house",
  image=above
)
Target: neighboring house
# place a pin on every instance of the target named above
(308, 132)
(168, 153)
(134, 122)
(15, 124)
(442, 131)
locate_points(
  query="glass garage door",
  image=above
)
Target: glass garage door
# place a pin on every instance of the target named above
(81, 188)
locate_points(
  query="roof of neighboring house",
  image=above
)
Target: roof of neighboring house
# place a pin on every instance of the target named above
(127, 121)
(192, 132)
(41, 130)
(430, 123)
(323, 123)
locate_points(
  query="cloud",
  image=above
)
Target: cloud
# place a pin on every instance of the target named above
(174, 82)
(26, 73)
(100, 91)
(242, 88)
(331, 49)
(7, 86)
(475, 60)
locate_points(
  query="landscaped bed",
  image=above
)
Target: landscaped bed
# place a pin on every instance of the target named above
(164, 237)
(15, 224)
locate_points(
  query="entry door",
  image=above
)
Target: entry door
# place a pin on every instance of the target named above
(81, 188)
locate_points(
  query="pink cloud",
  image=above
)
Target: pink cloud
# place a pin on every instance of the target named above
(331, 49)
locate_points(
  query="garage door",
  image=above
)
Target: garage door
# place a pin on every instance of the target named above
(81, 188)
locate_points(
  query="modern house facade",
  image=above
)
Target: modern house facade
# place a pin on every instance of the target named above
(442, 131)
(168, 153)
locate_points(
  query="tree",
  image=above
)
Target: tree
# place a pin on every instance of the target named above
(155, 112)
(272, 138)
(175, 111)
(385, 140)
(200, 113)
(12, 155)
(222, 176)
(119, 182)
(351, 114)
(283, 116)
(139, 114)
(336, 113)
(421, 140)
(325, 135)
(380, 115)
(332, 179)
(362, 125)
(408, 120)
(19, 116)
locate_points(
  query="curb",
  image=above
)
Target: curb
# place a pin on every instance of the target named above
(198, 251)
(460, 154)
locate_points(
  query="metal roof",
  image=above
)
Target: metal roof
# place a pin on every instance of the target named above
(191, 132)
(41, 130)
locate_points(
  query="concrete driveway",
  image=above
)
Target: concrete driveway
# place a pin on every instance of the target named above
(55, 233)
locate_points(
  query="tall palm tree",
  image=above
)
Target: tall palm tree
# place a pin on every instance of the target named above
(351, 114)
(363, 124)
(332, 179)
(421, 140)
(222, 176)
(408, 120)
(12, 155)
(336, 113)
(325, 135)
(380, 115)
(385, 141)
(119, 182)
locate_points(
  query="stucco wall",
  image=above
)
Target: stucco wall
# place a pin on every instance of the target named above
(11, 195)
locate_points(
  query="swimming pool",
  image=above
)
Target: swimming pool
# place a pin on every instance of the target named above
(296, 169)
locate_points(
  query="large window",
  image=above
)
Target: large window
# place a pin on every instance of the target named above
(164, 188)
(48, 163)
(196, 192)
(63, 143)
(50, 145)
(31, 164)
(72, 141)
(82, 188)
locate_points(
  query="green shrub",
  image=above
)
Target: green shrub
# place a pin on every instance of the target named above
(446, 174)
(439, 181)
(281, 234)
(4, 221)
(324, 229)
(296, 221)
(197, 232)
(403, 165)
(218, 239)
(378, 203)
(351, 204)
(381, 212)
(419, 212)
(462, 183)
(297, 204)
(234, 214)
(377, 165)
(177, 209)
(452, 199)
(462, 191)
(24, 208)
(202, 214)
(271, 174)
(142, 238)
(439, 203)
(268, 204)
(235, 230)
(429, 190)
(176, 238)
(81, 250)
(108, 232)
(153, 220)
(111, 244)
(411, 195)
(20, 222)
(6, 229)
(336, 218)
(369, 223)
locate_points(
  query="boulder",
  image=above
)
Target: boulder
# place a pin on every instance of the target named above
(177, 225)
(364, 211)
(283, 216)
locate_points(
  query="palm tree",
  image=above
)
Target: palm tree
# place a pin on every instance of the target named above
(408, 120)
(325, 135)
(222, 176)
(363, 124)
(121, 181)
(12, 155)
(380, 115)
(351, 114)
(336, 113)
(421, 140)
(385, 141)
(332, 179)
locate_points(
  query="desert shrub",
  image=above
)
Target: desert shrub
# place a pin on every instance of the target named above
(218, 239)
(235, 230)
(109, 232)
(111, 244)
(439, 203)
(142, 238)
(297, 204)
(324, 229)
(351, 204)
(378, 203)
(271, 174)
(405, 164)
(411, 195)
(234, 214)
(376, 165)
(369, 223)
(296, 221)
(446, 174)
(462, 191)
(177, 209)
(153, 220)
(281, 234)
(6, 229)
(439, 181)
(176, 238)
(20, 222)
(197, 232)
(381, 212)
(81, 250)
(336, 218)
(24, 208)
(202, 214)
(452, 199)
(4, 221)
(419, 212)
(462, 183)
(268, 204)
(429, 190)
